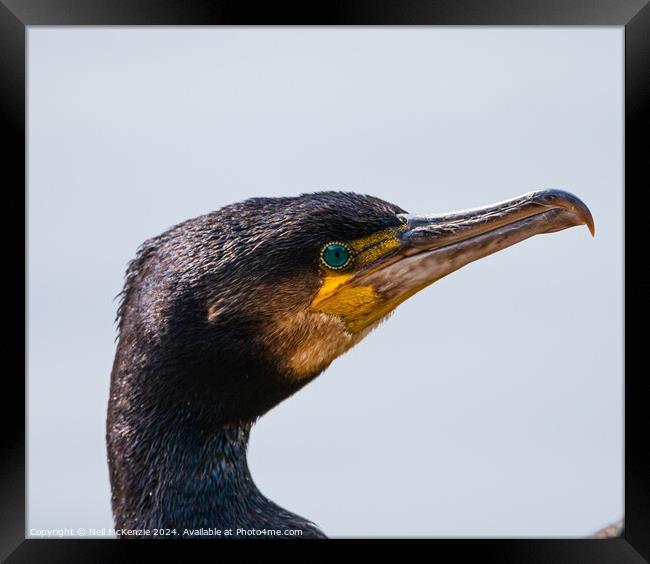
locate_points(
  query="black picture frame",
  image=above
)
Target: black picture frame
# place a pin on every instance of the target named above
(16, 15)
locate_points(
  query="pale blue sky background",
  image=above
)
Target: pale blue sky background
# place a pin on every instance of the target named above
(491, 403)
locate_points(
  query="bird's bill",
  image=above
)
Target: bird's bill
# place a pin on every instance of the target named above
(430, 247)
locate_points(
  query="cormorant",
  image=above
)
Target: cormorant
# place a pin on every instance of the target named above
(225, 315)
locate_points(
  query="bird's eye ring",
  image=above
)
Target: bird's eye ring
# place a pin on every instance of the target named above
(336, 255)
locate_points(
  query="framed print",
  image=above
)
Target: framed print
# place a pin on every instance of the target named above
(282, 277)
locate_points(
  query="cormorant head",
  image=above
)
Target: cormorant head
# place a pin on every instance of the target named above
(233, 311)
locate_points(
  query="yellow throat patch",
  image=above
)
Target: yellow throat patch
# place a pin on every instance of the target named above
(357, 306)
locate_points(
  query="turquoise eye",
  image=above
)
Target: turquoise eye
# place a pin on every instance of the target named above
(335, 255)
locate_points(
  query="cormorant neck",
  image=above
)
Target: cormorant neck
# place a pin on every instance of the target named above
(176, 475)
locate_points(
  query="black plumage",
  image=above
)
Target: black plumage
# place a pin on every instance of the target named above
(225, 315)
(187, 385)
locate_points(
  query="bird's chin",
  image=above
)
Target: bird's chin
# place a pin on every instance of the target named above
(434, 246)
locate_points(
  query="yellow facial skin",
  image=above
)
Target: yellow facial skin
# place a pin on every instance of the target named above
(389, 266)
(357, 306)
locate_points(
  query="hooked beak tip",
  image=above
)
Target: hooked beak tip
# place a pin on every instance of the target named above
(568, 201)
